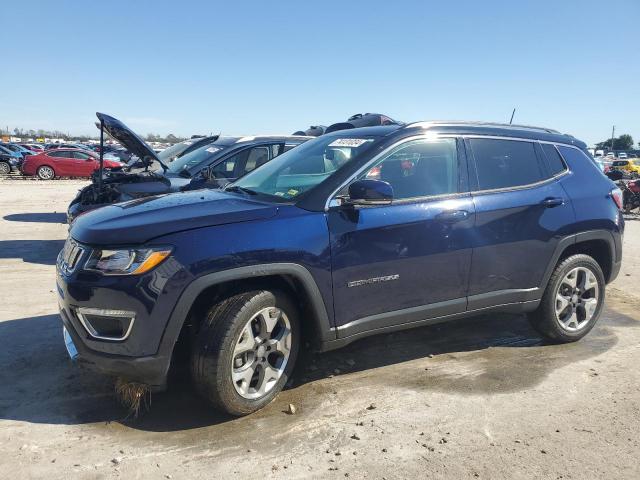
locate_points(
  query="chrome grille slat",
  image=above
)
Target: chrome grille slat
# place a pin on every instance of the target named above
(70, 255)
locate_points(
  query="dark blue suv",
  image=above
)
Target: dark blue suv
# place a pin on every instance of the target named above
(354, 233)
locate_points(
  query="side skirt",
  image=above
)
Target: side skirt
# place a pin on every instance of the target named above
(354, 331)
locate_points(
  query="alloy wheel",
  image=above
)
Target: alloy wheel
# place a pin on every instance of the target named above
(577, 299)
(261, 353)
(5, 168)
(45, 173)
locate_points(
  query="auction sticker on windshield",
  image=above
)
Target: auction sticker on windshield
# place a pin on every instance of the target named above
(349, 142)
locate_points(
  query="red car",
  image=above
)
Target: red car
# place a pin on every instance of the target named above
(64, 162)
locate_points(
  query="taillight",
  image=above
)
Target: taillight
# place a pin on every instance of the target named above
(616, 194)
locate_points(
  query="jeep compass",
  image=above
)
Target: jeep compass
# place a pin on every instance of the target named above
(356, 232)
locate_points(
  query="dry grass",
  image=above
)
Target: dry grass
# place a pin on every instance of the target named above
(133, 396)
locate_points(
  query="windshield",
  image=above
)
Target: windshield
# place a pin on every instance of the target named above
(302, 168)
(187, 162)
(167, 155)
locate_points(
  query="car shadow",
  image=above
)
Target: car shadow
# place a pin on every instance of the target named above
(43, 252)
(41, 217)
(46, 387)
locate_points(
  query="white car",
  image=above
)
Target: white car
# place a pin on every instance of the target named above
(623, 155)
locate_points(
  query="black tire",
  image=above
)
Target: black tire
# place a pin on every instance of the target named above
(544, 319)
(213, 345)
(5, 168)
(45, 176)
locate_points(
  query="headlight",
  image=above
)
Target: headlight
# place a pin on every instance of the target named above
(126, 261)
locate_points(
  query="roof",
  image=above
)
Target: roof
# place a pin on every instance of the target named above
(497, 129)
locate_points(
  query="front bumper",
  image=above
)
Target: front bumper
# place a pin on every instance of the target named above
(145, 354)
(151, 370)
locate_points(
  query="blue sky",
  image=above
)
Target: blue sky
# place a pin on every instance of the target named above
(270, 67)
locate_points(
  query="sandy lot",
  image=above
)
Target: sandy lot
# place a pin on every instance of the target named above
(479, 398)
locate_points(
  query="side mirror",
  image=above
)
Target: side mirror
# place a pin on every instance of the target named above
(370, 192)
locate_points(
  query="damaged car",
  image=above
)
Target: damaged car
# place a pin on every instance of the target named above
(213, 165)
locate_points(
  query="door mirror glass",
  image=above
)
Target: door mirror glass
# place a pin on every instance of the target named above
(370, 192)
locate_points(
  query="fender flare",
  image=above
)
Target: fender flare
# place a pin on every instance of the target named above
(566, 242)
(197, 286)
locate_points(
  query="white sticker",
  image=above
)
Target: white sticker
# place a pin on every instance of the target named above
(213, 149)
(349, 142)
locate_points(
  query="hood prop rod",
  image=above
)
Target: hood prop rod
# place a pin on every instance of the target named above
(101, 156)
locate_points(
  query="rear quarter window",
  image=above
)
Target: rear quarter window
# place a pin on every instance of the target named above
(554, 160)
(505, 163)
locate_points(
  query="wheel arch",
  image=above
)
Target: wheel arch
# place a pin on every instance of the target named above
(598, 244)
(289, 277)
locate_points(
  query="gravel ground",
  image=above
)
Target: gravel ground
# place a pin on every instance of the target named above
(478, 398)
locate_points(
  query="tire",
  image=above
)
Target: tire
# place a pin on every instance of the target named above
(563, 323)
(45, 172)
(224, 377)
(5, 168)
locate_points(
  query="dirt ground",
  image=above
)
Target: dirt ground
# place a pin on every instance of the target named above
(479, 398)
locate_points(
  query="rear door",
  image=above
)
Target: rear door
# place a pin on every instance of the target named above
(62, 162)
(521, 213)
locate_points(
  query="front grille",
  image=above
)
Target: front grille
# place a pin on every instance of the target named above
(70, 256)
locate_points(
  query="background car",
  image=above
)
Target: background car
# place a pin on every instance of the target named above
(9, 161)
(65, 162)
(210, 166)
(627, 166)
(23, 152)
(53, 146)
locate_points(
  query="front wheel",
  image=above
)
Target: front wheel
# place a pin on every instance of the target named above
(572, 301)
(245, 350)
(45, 172)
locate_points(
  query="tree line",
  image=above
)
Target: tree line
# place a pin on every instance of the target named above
(623, 142)
(40, 133)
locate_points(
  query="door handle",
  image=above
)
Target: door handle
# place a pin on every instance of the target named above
(452, 216)
(553, 202)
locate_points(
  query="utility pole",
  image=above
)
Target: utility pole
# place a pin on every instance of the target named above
(512, 114)
(613, 134)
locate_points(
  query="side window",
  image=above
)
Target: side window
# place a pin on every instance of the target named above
(505, 163)
(59, 154)
(288, 147)
(80, 155)
(258, 156)
(226, 168)
(419, 168)
(554, 160)
(575, 156)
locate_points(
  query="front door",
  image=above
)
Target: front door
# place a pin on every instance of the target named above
(410, 260)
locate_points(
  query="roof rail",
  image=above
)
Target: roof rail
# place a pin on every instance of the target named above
(480, 124)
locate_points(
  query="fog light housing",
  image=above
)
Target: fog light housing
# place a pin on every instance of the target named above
(103, 324)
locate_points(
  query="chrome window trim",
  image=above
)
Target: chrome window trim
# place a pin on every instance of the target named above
(82, 311)
(332, 201)
(527, 185)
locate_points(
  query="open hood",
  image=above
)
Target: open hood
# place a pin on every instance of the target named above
(129, 139)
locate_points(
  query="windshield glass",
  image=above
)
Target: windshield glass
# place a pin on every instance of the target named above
(302, 168)
(168, 154)
(187, 162)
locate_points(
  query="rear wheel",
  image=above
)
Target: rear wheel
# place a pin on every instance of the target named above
(5, 168)
(572, 301)
(45, 172)
(245, 350)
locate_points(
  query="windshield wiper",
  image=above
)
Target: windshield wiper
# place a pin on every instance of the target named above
(236, 188)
